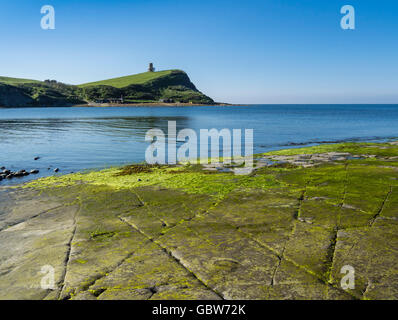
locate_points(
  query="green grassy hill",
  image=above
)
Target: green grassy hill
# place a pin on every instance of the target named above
(148, 87)
(169, 85)
(122, 82)
(8, 80)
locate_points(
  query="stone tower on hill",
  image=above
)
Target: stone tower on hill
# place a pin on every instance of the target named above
(151, 68)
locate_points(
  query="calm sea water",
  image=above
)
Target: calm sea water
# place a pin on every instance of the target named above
(75, 139)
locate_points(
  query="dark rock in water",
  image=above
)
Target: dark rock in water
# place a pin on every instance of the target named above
(34, 171)
(37, 158)
(24, 172)
(56, 169)
(1, 178)
(8, 174)
(2, 168)
(19, 174)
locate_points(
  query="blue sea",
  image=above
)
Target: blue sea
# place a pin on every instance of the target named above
(78, 139)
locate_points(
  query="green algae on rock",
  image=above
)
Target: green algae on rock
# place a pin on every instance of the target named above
(182, 232)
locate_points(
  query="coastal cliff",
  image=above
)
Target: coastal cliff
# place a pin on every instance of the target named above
(171, 86)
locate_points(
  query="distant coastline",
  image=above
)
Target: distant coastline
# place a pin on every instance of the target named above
(163, 87)
(149, 104)
(157, 104)
(218, 104)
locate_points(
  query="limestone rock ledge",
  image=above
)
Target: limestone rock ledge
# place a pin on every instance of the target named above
(284, 232)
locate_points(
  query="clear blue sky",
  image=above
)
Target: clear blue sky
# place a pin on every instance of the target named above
(246, 51)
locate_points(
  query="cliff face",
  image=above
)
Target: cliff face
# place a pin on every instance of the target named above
(39, 95)
(13, 96)
(174, 86)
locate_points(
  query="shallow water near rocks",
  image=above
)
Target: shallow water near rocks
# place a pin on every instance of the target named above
(76, 139)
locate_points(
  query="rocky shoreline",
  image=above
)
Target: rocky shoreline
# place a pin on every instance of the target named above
(8, 174)
(200, 232)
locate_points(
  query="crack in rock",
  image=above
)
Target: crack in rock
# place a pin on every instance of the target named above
(379, 212)
(30, 218)
(171, 255)
(68, 254)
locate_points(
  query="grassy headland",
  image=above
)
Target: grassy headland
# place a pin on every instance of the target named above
(149, 87)
(122, 82)
(8, 80)
(194, 232)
